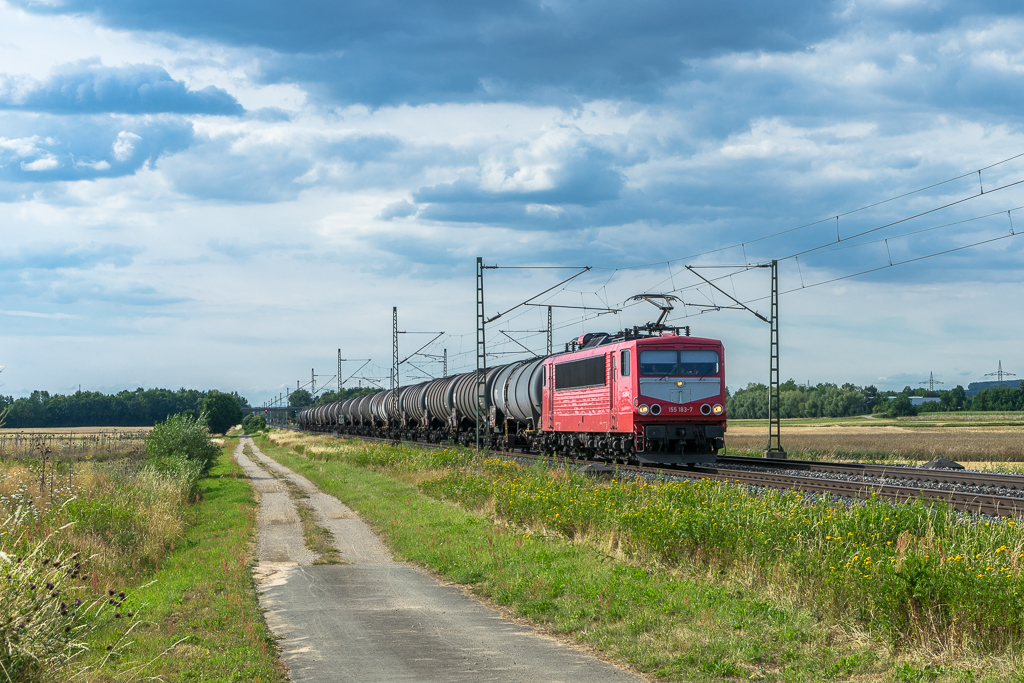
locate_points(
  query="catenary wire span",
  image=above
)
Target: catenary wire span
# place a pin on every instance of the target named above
(742, 245)
(872, 270)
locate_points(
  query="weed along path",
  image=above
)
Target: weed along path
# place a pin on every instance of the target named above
(347, 611)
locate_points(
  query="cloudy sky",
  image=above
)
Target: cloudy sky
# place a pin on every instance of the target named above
(222, 194)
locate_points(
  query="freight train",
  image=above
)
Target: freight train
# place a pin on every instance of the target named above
(646, 395)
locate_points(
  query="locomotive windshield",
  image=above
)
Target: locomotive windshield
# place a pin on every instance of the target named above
(688, 362)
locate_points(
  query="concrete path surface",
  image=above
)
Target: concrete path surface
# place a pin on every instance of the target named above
(373, 619)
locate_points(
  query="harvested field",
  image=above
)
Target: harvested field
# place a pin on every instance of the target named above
(30, 431)
(884, 442)
(72, 446)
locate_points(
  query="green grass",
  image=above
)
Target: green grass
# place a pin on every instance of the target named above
(911, 574)
(700, 581)
(677, 625)
(200, 617)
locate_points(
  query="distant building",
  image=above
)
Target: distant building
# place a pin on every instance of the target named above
(918, 400)
(975, 388)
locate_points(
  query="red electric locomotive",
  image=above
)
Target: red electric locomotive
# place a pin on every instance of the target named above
(647, 394)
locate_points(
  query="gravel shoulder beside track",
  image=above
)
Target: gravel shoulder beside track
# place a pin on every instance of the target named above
(374, 619)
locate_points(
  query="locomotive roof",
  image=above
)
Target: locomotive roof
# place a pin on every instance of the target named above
(596, 340)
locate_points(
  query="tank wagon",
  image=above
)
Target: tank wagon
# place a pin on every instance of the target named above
(647, 394)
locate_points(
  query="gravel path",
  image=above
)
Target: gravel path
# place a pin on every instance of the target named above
(372, 619)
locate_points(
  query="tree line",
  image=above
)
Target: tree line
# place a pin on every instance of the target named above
(139, 408)
(301, 398)
(831, 400)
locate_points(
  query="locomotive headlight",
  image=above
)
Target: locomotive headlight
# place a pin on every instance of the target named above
(679, 383)
(643, 409)
(717, 410)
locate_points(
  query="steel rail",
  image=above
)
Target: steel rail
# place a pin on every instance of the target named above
(954, 477)
(976, 503)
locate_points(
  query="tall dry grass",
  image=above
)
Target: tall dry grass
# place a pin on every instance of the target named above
(122, 515)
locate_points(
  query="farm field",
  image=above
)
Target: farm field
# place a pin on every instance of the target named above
(30, 431)
(695, 582)
(910, 440)
(73, 446)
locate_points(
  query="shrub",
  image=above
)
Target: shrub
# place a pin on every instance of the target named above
(254, 423)
(182, 443)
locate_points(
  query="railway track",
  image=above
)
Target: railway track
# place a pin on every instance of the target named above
(975, 503)
(1013, 482)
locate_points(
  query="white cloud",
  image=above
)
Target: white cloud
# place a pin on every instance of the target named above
(124, 146)
(101, 165)
(46, 163)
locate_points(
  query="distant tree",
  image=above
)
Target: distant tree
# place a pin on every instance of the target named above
(333, 396)
(326, 397)
(138, 408)
(901, 406)
(957, 398)
(795, 400)
(999, 398)
(300, 398)
(222, 411)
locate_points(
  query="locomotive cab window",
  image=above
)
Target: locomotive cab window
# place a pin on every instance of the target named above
(688, 362)
(624, 363)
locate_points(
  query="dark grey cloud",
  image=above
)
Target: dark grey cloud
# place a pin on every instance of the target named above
(405, 51)
(401, 51)
(89, 88)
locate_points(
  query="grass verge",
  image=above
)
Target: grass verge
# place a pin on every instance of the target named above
(200, 617)
(675, 625)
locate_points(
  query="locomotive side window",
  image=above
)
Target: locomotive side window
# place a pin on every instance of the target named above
(688, 362)
(624, 363)
(589, 372)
